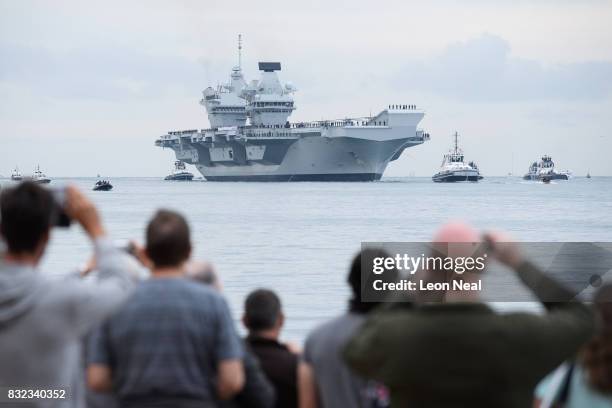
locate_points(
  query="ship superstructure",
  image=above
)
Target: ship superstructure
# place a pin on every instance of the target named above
(225, 104)
(252, 139)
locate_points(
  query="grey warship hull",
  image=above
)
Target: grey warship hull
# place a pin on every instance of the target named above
(343, 152)
(300, 177)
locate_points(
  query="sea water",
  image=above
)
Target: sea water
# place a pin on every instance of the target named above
(298, 238)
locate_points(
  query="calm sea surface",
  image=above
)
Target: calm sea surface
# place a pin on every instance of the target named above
(299, 238)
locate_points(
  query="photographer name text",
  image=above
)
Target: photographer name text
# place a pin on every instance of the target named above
(421, 285)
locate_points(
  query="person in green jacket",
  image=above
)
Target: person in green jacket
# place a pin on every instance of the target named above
(461, 353)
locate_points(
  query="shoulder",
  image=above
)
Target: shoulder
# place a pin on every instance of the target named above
(65, 299)
(182, 285)
(161, 293)
(336, 330)
(62, 291)
(342, 323)
(290, 358)
(204, 292)
(202, 295)
(199, 287)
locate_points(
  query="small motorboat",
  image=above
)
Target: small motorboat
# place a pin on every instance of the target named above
(102, 185)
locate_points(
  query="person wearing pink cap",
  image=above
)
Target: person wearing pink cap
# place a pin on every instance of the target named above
(457, 351)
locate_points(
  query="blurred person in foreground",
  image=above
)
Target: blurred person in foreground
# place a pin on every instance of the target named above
(586, 381)
(258, 391)
(264, 319)
(459, 352)
(325, 380)
(42, 321)
(173, 344)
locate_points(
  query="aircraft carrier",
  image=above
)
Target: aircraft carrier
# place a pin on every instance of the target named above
(251, 138)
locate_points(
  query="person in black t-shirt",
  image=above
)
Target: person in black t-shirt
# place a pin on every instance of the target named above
(264, 320)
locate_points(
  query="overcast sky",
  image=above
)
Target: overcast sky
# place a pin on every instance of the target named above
(86, 87)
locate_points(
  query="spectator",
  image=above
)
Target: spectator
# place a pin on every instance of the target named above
(173, 344)
(587, 382)
(42, 320)
(257, 392)
(462, 353)
(324, 378)
(263, 317)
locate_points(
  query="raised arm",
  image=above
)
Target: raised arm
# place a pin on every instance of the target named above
(568, 323)
(558, 334)
(90, 302)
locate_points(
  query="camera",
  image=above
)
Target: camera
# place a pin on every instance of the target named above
(127, 246)
(60, 218)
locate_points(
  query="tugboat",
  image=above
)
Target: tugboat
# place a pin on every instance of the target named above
(544, 170)
(39, 177)
(102, 185)
(16, 175)
(179, 173)
(454, 169)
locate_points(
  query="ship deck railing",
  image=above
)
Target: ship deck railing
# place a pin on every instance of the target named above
(270, 131)
(364, 121)
(357, 122)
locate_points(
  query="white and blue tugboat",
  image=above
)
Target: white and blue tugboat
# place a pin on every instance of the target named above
(16, 175)
(453, 168)
(544, 170)
(179, 173)
(39, 177)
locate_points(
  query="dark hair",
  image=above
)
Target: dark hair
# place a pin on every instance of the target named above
(597, 354)
(262, 308)
(168, 242)
(366, 257)
(26, 212)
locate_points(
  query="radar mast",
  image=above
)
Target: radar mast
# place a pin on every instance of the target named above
(240, 51)
(456, 144)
